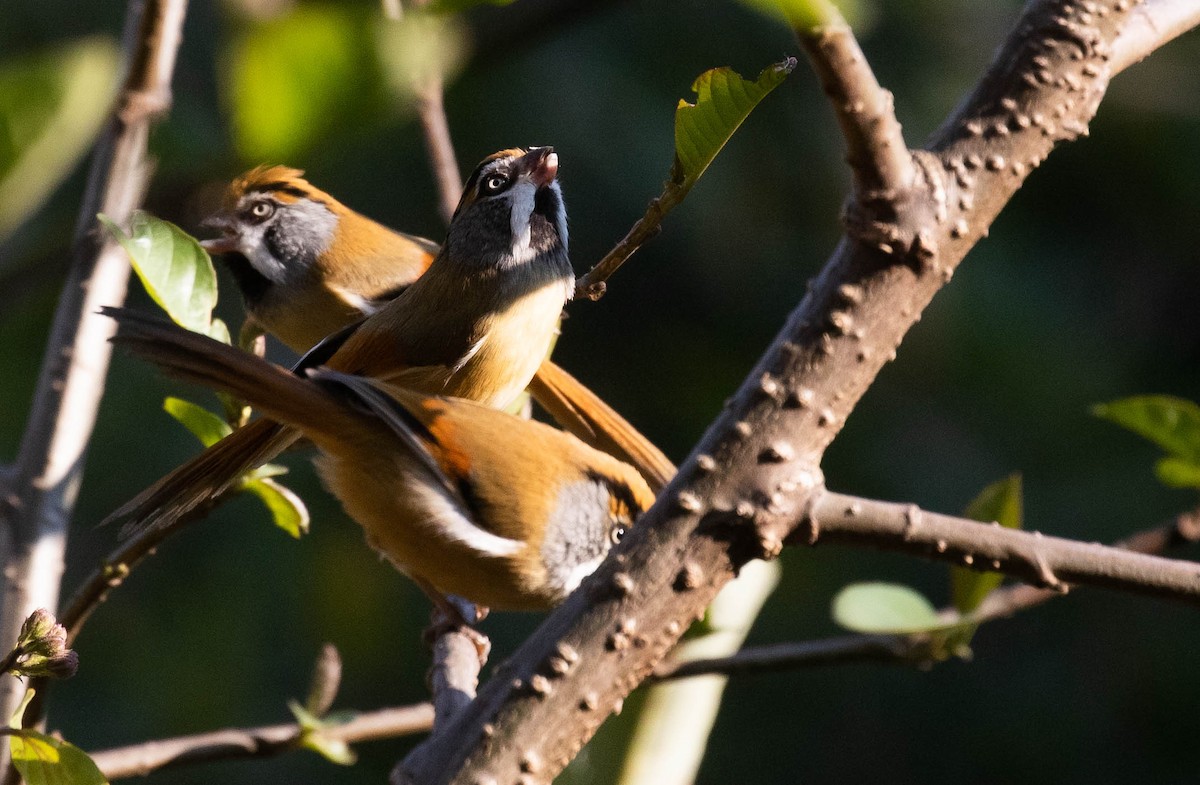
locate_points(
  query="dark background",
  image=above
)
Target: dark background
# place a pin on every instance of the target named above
(1085, 291)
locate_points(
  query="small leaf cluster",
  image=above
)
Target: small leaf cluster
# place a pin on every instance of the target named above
(896, 609)
(178, 274)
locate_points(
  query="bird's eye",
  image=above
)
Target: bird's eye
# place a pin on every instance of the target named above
(617, 534)
(495, 183)
(261, 211)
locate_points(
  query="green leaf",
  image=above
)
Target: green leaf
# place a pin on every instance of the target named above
(45, 760)
(286, 508)
(177, 273)
(1002, 502)
(1171, 423)
(333, 750)
(204, 425)
(1177, 473)
(885, 608)
(219, 331)
(723, 100)
(52, 104)
(298, 78)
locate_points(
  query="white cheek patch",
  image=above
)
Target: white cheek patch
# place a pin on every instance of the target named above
(522, 198)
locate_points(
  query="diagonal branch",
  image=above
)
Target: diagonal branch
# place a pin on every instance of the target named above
(755, 470)
(34, 516)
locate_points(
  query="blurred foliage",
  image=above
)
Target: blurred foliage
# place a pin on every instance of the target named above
(1084, 291)
(418, 47)
(294, 78)
(884, 607)
(52, 103)
(1171, 423)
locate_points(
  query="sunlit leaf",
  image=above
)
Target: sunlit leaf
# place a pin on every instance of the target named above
(885, 608)
(45, 760)
(52, 104)
(177, 273)
(204, 425)
(1171, 423)
(1178, 473)
(333, 750)
(287, 509)
(419, 46)
(723, 101)
(294, 79)
(1001, 502)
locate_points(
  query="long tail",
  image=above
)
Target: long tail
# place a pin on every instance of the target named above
(580, 411)
(280, 395)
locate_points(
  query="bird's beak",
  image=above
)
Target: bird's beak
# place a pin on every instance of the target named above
(541, 164)
(219, 222)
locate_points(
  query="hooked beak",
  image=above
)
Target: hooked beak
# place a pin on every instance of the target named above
(219, 222)
(541, 164)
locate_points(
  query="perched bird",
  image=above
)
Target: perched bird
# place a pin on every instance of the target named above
(308, 266)
(476, 325)
(464, 499)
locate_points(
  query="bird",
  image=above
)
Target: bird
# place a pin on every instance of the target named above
(468, 501)
(475, 325)
(308, 266)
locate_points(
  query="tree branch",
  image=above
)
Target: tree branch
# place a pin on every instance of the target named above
(879, 159)
(262, 742)
(1184, 529)
(1151, 25)
(754, 471)
(33, 517)
(1047, 562)
(458, 656)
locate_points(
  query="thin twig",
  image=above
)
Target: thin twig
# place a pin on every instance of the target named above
(116, 567)
(432, 113)
(879, 159)
(262, 742)
(50, 463)
(801, 654)
(1184, 529)
(1048, 562)
(593, 284)
(428, 88)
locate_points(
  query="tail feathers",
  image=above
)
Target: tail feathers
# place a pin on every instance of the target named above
(196, 358)
(581, 412)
